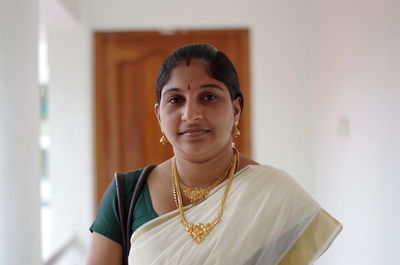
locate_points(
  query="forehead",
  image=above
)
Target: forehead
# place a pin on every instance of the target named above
(190, 77)
(190, 69)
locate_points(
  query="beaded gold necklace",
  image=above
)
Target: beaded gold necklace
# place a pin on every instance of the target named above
(199, 231)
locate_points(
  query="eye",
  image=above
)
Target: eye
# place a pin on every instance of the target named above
(175, 100)
(209, 97)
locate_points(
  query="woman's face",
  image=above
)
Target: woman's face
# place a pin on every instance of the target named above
(196, 112)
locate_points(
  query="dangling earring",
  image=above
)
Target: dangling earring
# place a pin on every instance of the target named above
(235, 133)
(235, 130)
(163, 139)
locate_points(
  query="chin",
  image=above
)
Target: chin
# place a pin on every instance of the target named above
(198, 150)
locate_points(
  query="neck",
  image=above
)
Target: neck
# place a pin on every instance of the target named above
(203, 172)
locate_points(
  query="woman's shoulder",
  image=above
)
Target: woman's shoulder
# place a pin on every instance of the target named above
(269, 170)
(269, 173)
(131, 177)
(264, 181)
(245, 161)
(248, 164)
(270, 176)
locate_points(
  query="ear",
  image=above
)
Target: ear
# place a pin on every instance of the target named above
(237, 110)
(157, 112)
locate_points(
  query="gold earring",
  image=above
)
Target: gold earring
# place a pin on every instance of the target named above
(163, 140)
(235, 130)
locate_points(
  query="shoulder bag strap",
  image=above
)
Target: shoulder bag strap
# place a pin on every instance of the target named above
(135, 196)
(126, 221)
(120, 188)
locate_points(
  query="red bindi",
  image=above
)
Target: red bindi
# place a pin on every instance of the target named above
(188, 86)
(188, 61)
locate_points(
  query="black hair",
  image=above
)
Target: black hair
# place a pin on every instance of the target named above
(219, 67)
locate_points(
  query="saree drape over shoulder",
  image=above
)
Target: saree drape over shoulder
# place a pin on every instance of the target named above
(268, 219)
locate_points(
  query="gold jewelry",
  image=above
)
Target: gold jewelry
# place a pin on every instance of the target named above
(199, 231)
(195, 195)
(235, 131)
(163, 140)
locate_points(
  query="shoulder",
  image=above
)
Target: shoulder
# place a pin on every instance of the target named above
(275, 181)
(132, 175)
(245, 161)
(264, 173)
(131, 178)
(268, 173)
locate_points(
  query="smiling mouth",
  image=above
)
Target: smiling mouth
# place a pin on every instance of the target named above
(194, 132)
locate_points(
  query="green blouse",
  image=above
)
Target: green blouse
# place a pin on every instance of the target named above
(107, 220)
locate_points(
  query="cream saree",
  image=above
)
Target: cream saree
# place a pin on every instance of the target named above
(268, 219)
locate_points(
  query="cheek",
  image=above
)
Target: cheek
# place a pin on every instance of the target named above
(168, 119)
(225, 122)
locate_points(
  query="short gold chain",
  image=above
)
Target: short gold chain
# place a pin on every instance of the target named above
(199, 231)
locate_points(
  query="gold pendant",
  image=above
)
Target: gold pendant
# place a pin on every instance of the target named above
(199, 231)
(195, 195)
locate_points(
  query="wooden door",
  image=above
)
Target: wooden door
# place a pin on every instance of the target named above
(127, 133)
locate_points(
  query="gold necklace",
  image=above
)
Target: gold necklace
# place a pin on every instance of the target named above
(195, 195)
(199, 231)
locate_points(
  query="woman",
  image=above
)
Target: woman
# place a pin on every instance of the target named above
(209, 204)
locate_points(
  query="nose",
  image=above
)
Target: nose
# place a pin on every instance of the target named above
(191, 111)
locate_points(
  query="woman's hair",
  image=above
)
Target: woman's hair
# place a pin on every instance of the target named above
(219, 67)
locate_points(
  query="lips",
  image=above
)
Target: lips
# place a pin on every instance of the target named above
(194, 132)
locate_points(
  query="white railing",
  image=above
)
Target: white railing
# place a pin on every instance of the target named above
(61, 252)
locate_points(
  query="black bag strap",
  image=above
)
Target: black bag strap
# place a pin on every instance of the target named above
(120, 188)
(127, 220)
(135, 196)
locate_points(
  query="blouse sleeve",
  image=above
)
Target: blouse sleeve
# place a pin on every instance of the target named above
(107, 221)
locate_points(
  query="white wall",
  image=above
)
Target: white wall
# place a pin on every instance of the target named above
(19, 134)
(356, 84)
(71, 122)
(278, 46)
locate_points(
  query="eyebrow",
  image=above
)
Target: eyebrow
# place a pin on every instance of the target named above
(164, 91)
(200, 87)
(211, 85)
